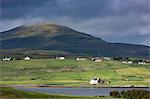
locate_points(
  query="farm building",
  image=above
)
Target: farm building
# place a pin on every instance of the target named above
(141, 63)
(80, 59)
(60, 58)
(97, 59)
(27, 58)
(107, 58)
(94, 81)
(127, 62)
(6, 58)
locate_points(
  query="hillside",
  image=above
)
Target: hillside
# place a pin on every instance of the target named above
(50, 37)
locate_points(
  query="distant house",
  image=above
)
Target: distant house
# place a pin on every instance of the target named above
(141, 63)
(94, 58)
(6, 58)
(147, 61)
(97, 59)
(27, 58)
(107, 58)
(80, 59)
(60, 58)
(127, 62)
(95, 81)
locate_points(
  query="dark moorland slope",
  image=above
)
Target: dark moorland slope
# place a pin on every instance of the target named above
(50, 37)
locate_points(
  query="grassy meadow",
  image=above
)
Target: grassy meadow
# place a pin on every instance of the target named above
(71, 72)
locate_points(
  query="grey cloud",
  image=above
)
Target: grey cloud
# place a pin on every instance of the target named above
(22, 3)
(14, 9)
(77, 9)
(89, 9)
(111, 19)
(130, 38)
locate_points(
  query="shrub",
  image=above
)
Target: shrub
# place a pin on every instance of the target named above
(131, 94)
(115, 94)
(123, 94)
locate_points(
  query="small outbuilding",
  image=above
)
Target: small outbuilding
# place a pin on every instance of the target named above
(27, 58)
(6, 58)
(141, 63)
(94, 81)
(107, 58)
(97, 59)
(80, 59)
(60, 58)
(127, 62)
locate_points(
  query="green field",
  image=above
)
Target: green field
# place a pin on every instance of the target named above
(71, 72)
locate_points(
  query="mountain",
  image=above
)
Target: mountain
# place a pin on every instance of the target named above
(50, 37)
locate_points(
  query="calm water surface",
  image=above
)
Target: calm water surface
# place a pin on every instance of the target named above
(77, 91)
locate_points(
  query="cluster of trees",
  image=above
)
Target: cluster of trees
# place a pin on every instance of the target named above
(131, 94)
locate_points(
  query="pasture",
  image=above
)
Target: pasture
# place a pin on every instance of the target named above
(71, 72)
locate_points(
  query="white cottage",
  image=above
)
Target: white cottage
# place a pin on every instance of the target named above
(94, 81)
(141, 63)
(6, 59)
(27, 58)
(107, 58)
(80, 59)
(127, 62)
(60, 58)
(98, 60)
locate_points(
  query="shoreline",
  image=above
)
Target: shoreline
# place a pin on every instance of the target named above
(60, 86)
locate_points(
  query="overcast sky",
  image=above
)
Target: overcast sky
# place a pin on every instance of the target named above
(125, 21)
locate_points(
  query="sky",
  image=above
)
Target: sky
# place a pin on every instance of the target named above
(117, 21)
